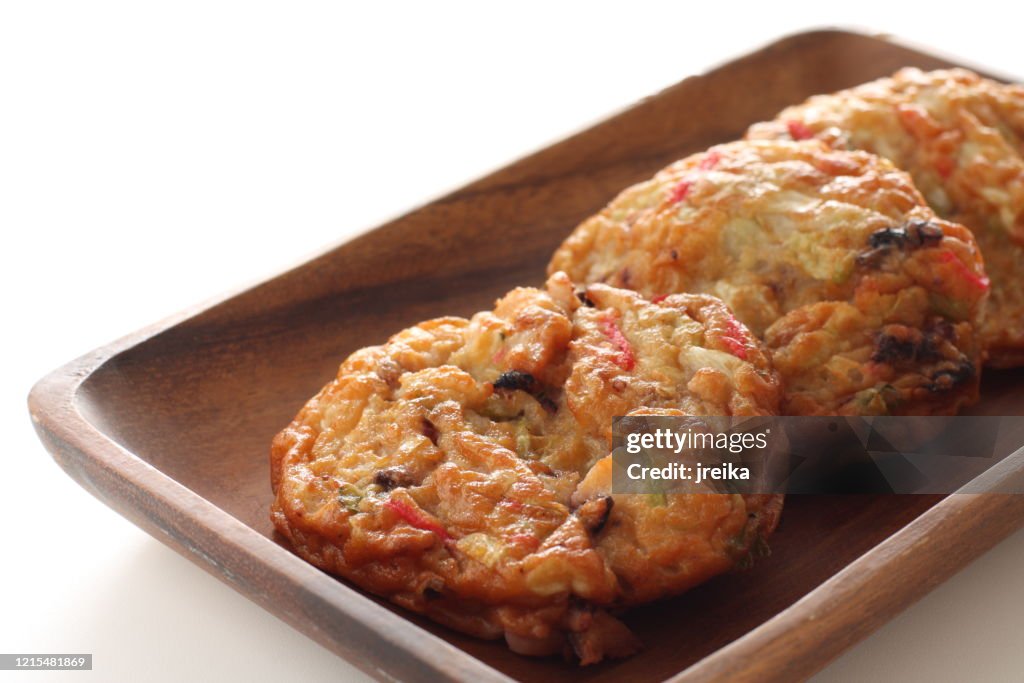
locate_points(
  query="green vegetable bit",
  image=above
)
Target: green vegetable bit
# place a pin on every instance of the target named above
(350, 497)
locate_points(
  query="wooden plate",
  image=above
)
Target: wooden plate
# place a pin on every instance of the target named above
(171, 426)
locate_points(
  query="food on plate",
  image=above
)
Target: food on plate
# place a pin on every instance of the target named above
(961, 137)
(462, 469)
(868, 302)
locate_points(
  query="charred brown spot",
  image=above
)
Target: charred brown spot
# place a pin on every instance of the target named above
(581, 294)
(428, 430)
(897, 344)
(674, 254)
(907, 237)
(912, 235)
(924, 234)
(625, 277)
(546, 402)
(595, 512)
(393, 478)
(514, 380)
(890, 349)
(919, 348)
(952, 377)
(434, 589)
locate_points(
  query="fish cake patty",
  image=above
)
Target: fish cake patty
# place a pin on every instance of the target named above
(460, 469)
(961, 137)
(867, 301)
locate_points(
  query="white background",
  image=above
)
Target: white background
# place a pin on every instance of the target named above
(154, 155)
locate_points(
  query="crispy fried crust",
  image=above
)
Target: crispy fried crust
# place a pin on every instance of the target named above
(461, 470)
(867, 301)
(961, 137)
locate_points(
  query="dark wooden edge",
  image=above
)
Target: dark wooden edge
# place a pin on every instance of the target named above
(840, 612)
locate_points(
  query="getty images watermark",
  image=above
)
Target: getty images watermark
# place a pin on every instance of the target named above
(660, 454)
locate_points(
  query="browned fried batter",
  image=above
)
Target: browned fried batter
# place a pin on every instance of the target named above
(867, 301)
(461, 469)
(961, 137)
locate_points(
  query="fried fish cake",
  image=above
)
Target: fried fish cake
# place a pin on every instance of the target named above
(445, 470)
(866, 300)
(961, 137)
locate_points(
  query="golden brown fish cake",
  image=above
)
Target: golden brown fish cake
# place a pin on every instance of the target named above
(961, 137)
(867, 301)
(443, 469)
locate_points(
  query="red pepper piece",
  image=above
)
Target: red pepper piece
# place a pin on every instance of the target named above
(980, 282)
(709, 161)
(416, 518)
(679, 192)
(609, 328)
(798, 130)
(734, 338)
(658, 299)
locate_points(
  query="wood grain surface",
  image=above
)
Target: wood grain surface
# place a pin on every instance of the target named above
(171, 426)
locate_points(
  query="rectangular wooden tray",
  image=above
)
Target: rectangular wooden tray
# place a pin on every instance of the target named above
(170, 426)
